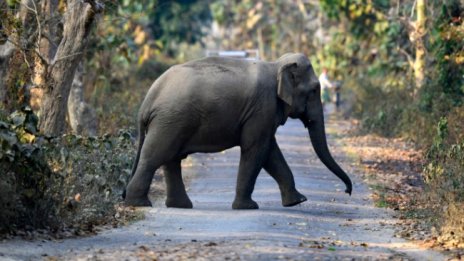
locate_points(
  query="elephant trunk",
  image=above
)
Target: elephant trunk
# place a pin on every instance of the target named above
(314, 121)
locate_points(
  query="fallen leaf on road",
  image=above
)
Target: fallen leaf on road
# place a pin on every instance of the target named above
(211, 244)
(144, 248)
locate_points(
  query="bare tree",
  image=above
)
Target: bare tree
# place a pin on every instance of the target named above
(78, 21)
(6, 50)
(81, 116)
(419, 63)
(11, 46)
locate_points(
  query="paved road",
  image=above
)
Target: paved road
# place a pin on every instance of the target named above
(329, 226)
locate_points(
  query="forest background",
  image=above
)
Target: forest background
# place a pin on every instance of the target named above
(401, 64)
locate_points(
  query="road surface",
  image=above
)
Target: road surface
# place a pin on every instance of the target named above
(330, 226)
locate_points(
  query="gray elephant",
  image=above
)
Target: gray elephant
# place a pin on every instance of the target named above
(216, 103)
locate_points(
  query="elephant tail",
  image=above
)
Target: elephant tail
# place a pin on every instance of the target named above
(142, 131)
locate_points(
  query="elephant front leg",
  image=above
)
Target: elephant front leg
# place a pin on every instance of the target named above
(278, 168)
(251, 161)
(176, 195)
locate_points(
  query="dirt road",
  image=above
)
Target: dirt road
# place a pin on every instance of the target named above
(329, 226)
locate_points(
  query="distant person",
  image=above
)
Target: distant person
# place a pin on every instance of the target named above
(338, 87)
(325, 87)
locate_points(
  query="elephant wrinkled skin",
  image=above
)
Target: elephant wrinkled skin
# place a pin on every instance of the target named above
(216, 103)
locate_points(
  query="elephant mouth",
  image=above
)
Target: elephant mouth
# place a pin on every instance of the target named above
(305, 118)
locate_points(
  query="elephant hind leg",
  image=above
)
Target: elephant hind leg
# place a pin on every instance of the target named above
(157, 150)
(176, 195)
(136, 193)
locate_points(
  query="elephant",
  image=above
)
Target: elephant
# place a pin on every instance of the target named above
(215, 103)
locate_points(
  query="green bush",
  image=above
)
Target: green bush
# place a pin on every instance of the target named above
(94, 172)
(59, 182)
(444, 175)
(25, 197)
(380, 104)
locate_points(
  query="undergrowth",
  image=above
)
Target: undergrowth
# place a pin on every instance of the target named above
(444, 175)
(431, 115)
(61, 182)
(437, 130)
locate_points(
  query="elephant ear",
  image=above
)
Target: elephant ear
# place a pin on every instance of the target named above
(286, 83)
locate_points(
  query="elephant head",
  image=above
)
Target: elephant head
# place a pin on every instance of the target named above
(300, 90)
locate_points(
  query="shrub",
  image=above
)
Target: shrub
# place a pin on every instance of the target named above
(380, 104)
(25, 197)
(444, 175)
(94, 172)
(59, 182)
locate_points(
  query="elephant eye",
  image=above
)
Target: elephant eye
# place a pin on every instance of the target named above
(293, 77)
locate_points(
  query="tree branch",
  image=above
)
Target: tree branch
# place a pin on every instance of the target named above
(78, 21)
(28, 7)
(22, 49)
(97, 6)
(408, 56)
(64, 57)
(39, 31)
(413, 7)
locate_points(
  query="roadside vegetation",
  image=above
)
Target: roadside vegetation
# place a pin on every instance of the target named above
(407, 81)
(67, 184)
(69, 181)
(400, 65)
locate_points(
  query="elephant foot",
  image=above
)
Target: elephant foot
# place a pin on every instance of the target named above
(293, 199)
(244, 204)
(179, 203)
(138, 202)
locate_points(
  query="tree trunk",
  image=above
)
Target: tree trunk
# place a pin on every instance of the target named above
(78, 21)
(6, 51)
(262, 54)
(48, 42)
(82, 118)
(419, 63)
(46, 47)
(14, 54)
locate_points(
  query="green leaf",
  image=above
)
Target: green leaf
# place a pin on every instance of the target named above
(29, 193)
(10, 154)
(64, 153)
(31, 128)
(28, 149)
(17, 118)
(3, 125)
(9, 137)
(32, 121)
